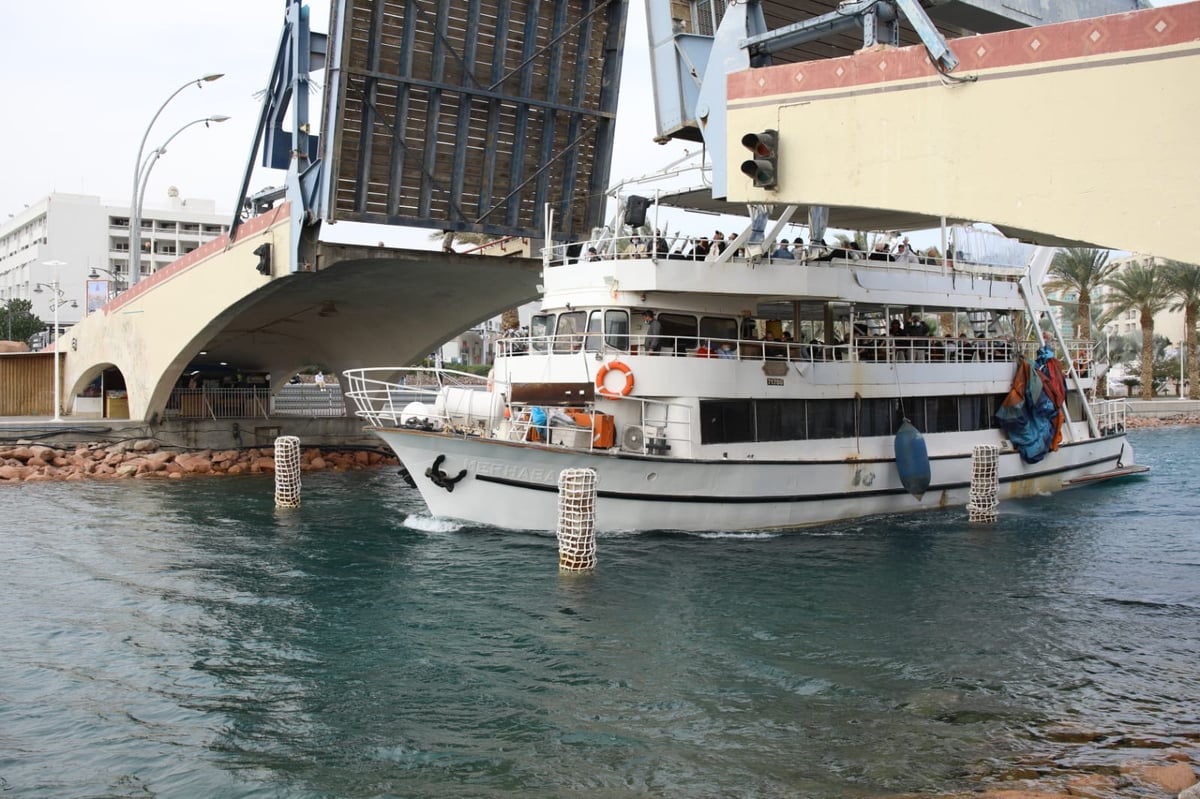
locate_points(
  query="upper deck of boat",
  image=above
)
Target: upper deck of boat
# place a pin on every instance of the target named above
(924, 282)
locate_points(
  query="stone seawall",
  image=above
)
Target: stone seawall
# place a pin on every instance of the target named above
(145, 458)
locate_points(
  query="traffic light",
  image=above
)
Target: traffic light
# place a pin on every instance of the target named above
(263, 251)
(764, 166)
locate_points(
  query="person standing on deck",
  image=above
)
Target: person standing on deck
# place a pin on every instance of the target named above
(653, 340)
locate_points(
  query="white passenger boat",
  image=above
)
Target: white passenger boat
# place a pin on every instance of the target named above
(766, 433)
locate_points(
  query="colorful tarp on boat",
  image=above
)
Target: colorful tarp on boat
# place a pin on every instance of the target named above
(1032, 413)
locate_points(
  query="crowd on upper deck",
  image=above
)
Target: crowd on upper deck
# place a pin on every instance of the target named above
(657, 243)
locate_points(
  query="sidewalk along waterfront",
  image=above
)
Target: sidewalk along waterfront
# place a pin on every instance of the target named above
(144, 458)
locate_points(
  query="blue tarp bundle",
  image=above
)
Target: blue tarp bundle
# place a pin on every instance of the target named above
(1030, 413)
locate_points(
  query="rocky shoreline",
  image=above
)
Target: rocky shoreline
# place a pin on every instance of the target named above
(27, 462)
(1137, 422)
(1170, 775)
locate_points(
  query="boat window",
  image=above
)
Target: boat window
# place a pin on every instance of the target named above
(591, 342)
(914, 410)
(736, 421)
(875, 417)
(679, 329)
(943, 414)
(714, 328)
(830, 418)
(726, 421)
(539, 330)
(780, 420)
(614, 325)
(616, 329)
(568, 336)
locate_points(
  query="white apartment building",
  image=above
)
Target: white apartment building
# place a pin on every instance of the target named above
(83, 236)
(1167, 323)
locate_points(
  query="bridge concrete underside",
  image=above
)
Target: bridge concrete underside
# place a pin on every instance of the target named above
(351, 306)
(371, 306)
(1081, 133)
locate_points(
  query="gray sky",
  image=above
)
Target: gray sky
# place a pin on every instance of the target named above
(82, 83)
(82, 80)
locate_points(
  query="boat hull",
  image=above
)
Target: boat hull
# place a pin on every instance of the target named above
(514, 485)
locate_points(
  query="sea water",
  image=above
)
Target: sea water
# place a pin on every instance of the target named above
(187, 639)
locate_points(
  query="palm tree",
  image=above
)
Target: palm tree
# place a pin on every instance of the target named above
(1144, 289)
(1079, 271)
(1184, 283)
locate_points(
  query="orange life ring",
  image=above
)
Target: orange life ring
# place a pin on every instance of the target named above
(603, 373)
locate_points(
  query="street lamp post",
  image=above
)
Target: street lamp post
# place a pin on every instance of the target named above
(1181, 349)
(56, 302)
(7, 311)
(144, 179)
(135, 222)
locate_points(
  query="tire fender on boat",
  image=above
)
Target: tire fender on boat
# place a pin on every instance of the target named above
(603, 390)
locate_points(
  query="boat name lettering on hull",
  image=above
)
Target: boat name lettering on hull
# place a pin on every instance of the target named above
(525, 474)
(775, 381)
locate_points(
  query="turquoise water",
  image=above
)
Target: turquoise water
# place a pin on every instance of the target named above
(186, 638)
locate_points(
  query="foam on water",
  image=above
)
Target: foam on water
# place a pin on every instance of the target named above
(432, 524)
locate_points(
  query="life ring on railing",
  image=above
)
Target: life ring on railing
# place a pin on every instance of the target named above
(603, 373)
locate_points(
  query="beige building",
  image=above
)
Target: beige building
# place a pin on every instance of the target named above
(1166, 323)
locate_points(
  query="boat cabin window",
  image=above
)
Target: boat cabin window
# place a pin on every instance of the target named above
(613, 324)
(679, 329)
(736, 421)
(568, 336)
(715, 328)
(876, 417)
(540, 328)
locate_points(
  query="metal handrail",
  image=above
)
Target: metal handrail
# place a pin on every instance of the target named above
(867, 349)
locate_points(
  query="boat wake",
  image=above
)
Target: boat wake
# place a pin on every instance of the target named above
(741, 536)
(430, 524)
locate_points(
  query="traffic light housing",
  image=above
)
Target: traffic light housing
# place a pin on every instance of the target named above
(263, 251)
(763, 166)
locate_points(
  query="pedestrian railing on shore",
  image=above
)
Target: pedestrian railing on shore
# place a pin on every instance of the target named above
(245, 403)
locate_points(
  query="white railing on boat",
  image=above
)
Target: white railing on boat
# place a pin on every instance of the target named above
(648, 248)
(381, 394)
(385, 397)
(871, 349)
(1110, 415)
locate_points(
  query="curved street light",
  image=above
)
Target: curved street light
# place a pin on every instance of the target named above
(135, 244)
(119, 284)
(143, 178)
(56, 302)
(96, 270)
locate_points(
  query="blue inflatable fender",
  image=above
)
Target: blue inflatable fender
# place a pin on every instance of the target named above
(912, 460)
